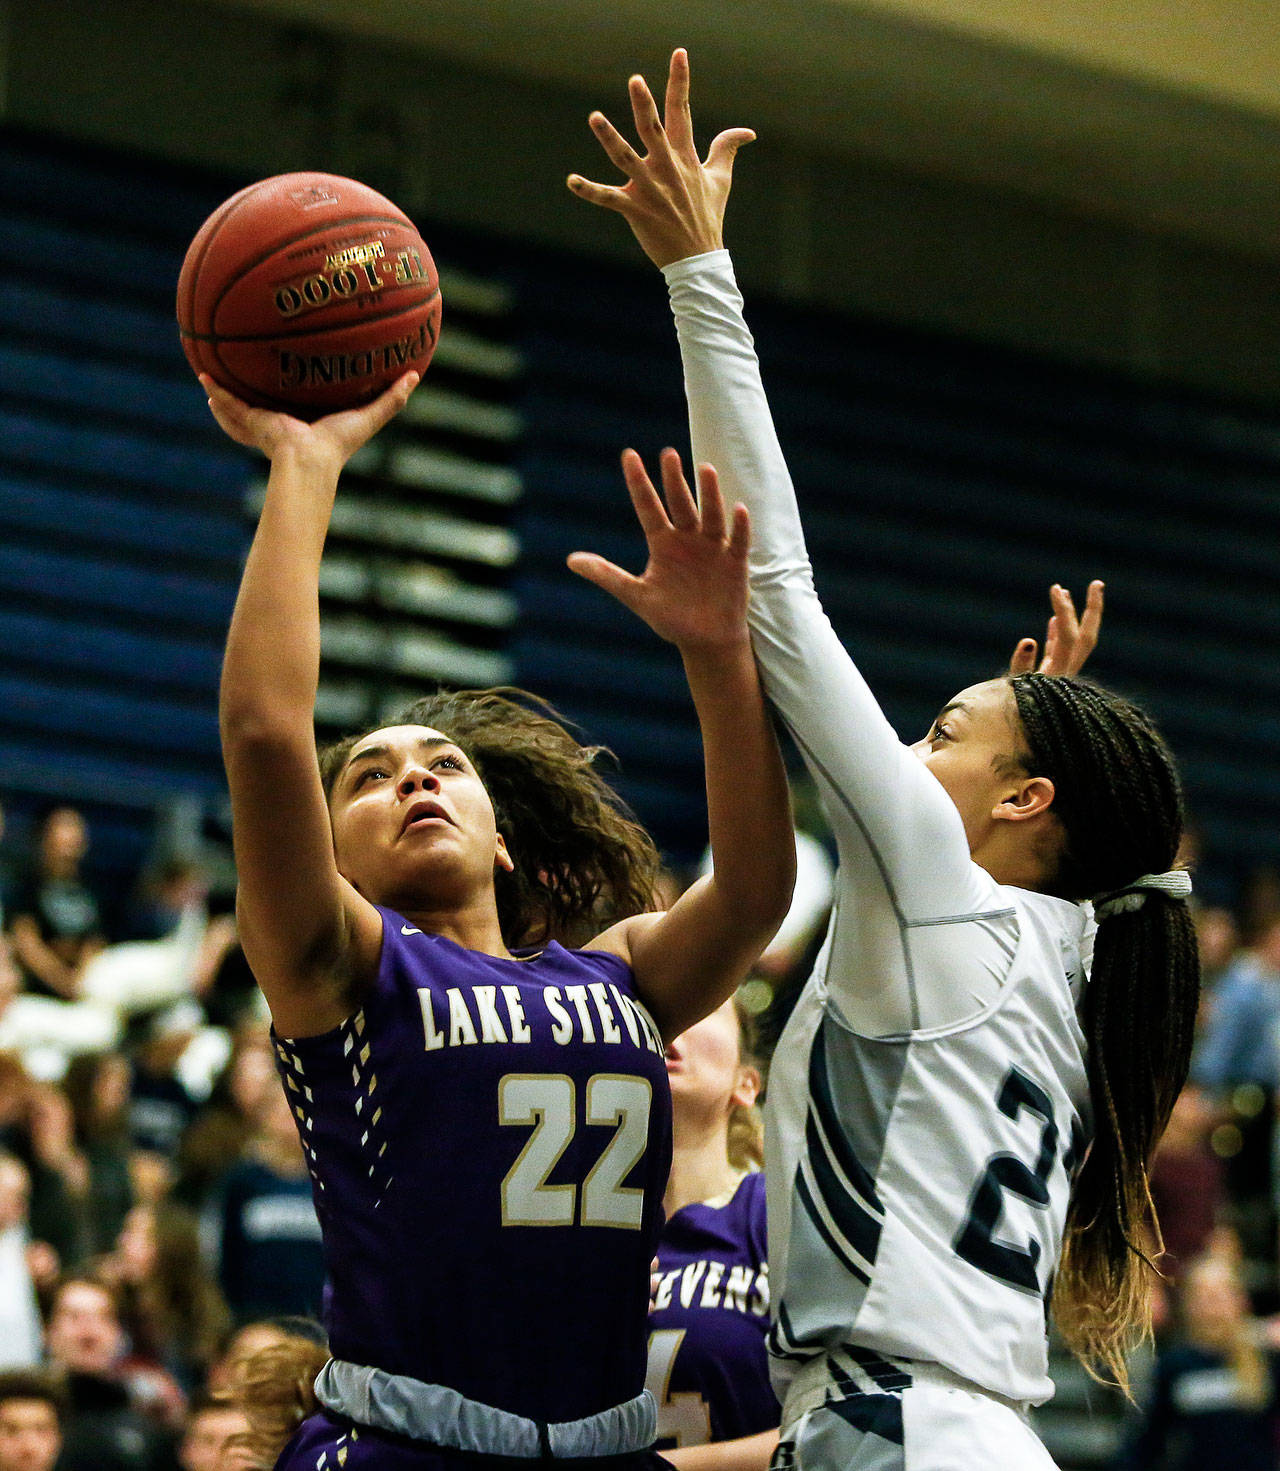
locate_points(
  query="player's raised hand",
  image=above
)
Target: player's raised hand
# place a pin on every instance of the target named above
(673, 200)
(1069, 639)
(336, 437)
(693, 592)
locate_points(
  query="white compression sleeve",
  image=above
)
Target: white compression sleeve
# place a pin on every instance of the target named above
(904, 858)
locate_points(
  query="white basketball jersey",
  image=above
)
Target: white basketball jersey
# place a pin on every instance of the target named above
(918, 1184)
(928, 1099)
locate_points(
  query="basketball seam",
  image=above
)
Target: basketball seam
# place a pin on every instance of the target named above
(227, 210)
(296, 239)
(313, 331)
(253, 391)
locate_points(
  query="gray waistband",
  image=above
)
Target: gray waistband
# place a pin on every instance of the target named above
(441, 1416)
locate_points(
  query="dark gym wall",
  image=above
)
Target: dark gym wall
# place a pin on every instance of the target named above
(230, 89)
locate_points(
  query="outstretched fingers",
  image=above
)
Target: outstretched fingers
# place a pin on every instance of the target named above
(681, 506)
(650, 512)
(1069, 638)
(677, 118)
(607, 196)
(740, 535)
(607, 576)
(1091, 622)
(711, 503)
(617, 149)
(724, 148)
(648, 124)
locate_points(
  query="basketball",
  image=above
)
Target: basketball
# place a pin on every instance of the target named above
(308, 293)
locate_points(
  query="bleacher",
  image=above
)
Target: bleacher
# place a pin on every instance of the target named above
(944, 486)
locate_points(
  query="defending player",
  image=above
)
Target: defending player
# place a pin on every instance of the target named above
(954, 1115)
(486, 1124)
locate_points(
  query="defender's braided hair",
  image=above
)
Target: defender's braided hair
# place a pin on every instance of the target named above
(1119, 803)
(581, 859)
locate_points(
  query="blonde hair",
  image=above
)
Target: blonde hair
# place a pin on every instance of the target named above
(275, 1390)
(745, 1143)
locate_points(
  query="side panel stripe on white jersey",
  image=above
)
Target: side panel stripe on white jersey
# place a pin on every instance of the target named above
(822, 1103)
(839, 1247)
(783, 1342)
(857, 1224)
(884, 1373)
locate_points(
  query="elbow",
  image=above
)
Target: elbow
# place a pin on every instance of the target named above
(767, 902)
(776, 909)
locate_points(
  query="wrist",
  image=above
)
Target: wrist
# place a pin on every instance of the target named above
(715, 656)
(307, 457)
(671, 255)
(689, 263)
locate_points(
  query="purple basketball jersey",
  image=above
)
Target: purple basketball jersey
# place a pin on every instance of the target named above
(708, 1366)
(489, 1141)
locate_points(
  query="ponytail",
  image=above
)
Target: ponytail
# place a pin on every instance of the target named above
(1119, 805)
(1138, 1018)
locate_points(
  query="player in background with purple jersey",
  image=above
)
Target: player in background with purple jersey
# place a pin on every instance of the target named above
(708, 1362)
(484, 1113)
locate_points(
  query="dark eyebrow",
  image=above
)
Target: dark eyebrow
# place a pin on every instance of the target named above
(947, 709)
(380, 753)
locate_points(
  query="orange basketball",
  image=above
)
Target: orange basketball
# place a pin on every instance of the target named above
(308, 293)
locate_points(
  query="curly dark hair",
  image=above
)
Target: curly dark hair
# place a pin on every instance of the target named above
(581, 859)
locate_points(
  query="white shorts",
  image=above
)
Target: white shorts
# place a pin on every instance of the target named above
(929, 1425)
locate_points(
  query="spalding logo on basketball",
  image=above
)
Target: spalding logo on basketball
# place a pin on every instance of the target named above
(308, 293)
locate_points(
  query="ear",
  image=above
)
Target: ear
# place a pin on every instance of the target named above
(501, 858)
(747, 1088)
(1032, 796)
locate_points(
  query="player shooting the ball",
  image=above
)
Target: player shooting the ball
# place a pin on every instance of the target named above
(484, 1110)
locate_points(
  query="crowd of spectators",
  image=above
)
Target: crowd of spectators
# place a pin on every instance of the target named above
(156, 1222)
(155, 1210)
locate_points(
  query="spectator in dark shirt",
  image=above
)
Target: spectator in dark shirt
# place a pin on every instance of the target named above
(104, 1431)
(97, 1086)
(271, 1258)
(1213, 1403)
(56, 921)
(160, 1108)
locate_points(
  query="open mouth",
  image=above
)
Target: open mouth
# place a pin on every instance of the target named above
(422, 814)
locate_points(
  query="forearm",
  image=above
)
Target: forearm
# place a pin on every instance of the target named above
(748, 801)
(35, 956)
(272, 662)
(730, 423)
(874, 791)
(749, 1453)
(289, 894)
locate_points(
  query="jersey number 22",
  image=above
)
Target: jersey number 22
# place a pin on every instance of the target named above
(547, 1101)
